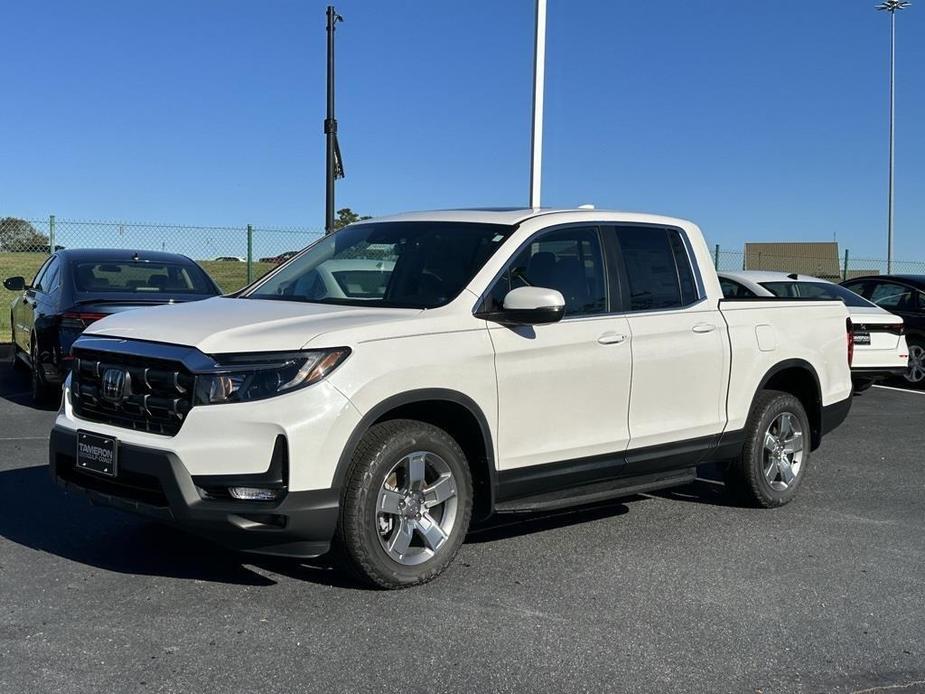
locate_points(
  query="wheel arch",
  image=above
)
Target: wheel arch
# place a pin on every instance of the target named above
(798, 378)
(454, 412)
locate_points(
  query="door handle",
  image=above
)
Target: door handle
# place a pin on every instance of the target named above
(611, 338)
(703, 328)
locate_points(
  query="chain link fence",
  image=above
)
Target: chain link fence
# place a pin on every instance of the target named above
(233, 256)
(836, 268)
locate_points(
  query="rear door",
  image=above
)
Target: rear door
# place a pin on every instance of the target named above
(679, 341)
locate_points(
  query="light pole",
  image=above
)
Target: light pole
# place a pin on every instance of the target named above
(539, 79)
(333, 166)
(891, 6)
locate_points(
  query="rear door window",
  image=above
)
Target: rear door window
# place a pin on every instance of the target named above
(39, 276)
(50, 279)
(658, 269)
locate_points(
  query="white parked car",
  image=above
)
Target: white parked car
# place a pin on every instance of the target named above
(880, 349)
(512, 360)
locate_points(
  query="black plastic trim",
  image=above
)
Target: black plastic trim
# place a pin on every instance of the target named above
(816, 415)
(804, 299)
(540, 316)
(409, 398)
(537, 480)
(301, 525)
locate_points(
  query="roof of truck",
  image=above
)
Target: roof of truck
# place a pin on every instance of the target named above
(518, 215)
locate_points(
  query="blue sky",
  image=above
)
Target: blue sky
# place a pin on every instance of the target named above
(759, 120)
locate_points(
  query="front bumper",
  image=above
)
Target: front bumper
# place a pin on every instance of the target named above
(156, 484)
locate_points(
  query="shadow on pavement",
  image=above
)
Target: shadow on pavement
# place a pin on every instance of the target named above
(39, 515)
(15, 386)
(508, 525)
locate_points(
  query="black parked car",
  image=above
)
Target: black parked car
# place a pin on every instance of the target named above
(73, 288)
(903, 295)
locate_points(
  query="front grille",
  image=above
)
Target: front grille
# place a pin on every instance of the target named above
(154, 396)
(135, 486)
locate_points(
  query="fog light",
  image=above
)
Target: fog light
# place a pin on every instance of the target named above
(254, 493)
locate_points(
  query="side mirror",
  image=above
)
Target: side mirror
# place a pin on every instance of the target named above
(15, 284)
(532, 306)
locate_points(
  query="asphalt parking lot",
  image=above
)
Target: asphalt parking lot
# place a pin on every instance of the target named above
(677, 591)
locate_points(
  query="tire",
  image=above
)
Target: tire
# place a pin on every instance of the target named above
(392, 531)
(766, 475)
(16, 363)
(915, 374)
(42, 393)
(860, 385)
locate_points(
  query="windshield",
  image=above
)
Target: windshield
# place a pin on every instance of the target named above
(140, 277)
(387, 264)
(816, 290)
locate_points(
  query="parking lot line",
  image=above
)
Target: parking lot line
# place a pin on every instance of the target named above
(902, 390)
(23, 438)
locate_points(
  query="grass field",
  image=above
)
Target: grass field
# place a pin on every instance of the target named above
(228, 275)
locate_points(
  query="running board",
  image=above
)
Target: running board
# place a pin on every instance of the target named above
(599, 491)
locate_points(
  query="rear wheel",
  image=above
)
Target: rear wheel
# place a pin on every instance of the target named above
(915, 373)
(407, 504)
(775, 456)
(42, 393)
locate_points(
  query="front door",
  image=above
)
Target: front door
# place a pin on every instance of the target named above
(563, 388)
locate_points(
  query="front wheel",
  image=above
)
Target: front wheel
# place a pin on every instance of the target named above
(15, 360)
(775, 455)
(407, 504)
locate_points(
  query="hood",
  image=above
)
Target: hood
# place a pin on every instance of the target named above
(222, 325)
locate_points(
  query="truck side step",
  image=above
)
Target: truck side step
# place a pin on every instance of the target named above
(599, 491)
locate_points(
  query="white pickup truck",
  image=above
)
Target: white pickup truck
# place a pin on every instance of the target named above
(405, 375)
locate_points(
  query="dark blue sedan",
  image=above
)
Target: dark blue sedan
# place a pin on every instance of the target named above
(75, 287)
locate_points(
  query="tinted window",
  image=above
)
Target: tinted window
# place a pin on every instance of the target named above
(568, 260)
(658, 270)
(39, 276)
(51, 276)
(140, 277)
(389, 264)
(734, 290)
(892, 296)
(815, 290)
(862, 288)
(683, 264)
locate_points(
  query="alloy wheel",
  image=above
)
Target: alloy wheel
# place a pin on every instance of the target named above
(783, 451)
(416, 508)
(916, 369)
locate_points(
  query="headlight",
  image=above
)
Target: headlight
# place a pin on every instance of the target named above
(242, 378)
